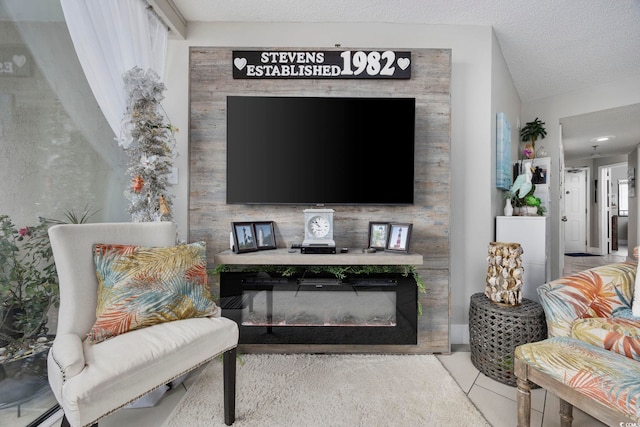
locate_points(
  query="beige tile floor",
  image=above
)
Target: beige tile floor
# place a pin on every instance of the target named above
(496, 401)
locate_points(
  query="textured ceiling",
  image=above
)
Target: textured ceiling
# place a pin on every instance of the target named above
(551, 47)
(578, 43)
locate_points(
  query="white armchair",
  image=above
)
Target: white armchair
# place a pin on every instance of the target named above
(92, 380)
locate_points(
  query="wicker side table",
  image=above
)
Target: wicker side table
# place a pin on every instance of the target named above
(495, 330)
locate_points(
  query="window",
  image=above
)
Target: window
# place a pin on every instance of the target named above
(57, 154)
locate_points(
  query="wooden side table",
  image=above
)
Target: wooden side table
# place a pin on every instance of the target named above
(495, 330)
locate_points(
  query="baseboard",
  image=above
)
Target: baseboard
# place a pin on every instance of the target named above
(459, 334)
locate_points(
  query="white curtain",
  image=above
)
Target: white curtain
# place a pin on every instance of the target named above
(111, 37)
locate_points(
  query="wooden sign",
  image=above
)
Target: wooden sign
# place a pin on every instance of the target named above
(15, 62)
(323, 64)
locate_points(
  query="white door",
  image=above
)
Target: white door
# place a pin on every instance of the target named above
(575, 208)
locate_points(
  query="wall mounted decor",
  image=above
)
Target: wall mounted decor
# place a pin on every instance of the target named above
(503, 152)
(211, 83)
(321, 64)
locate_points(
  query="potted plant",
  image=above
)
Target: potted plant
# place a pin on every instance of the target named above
(532, 203)
(527, 204)
(28, 283)
(530, 133)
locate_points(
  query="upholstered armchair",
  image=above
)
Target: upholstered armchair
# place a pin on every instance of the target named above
(101, 359)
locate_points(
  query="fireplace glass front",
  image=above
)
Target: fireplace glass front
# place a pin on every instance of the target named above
(377, 309)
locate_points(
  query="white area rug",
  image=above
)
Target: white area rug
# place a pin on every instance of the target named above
(306, 390)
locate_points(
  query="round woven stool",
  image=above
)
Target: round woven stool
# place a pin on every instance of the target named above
(495, 330)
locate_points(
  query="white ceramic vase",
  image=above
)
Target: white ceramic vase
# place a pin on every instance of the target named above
(508, 209)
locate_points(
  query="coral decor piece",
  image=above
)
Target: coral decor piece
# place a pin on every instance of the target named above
(504, 273)
(148, 139)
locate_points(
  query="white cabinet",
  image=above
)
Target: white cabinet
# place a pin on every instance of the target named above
(532, 232)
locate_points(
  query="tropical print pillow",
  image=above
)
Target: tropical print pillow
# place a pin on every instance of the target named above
(615, 334)
(601, 291)
(143, 286)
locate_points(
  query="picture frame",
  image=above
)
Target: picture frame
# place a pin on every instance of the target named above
(378, 233)
(265, 235)
(244, 239)
(399, 237)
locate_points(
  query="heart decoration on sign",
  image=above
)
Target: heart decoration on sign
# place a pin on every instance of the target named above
(19, 60)
(240, 63)
(403, 63)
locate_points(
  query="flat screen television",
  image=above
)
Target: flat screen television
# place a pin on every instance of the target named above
(320, 150)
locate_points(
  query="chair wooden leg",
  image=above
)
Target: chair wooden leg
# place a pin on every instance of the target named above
(524, 402)
(229, 379)
(566, 413)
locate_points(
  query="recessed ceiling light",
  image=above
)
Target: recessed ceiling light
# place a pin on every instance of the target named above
(602, 138)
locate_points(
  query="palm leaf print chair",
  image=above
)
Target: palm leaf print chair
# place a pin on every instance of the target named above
(591, 359)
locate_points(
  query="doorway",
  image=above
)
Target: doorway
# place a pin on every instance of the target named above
(575, 205)
(613, 218)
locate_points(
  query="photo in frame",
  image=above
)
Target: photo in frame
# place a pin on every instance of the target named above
(378, 232)
(265, 235)
(244, 239)
(399, 237)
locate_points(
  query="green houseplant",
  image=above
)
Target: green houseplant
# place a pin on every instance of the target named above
(28, 281)
(530, 133)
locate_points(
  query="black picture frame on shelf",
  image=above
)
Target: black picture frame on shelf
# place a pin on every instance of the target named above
(378, 233)
(244, 239)
(399, 237)
(265, 235)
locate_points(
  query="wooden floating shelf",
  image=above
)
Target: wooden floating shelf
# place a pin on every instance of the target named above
(284, 257)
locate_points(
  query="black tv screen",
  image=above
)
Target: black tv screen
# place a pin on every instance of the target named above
(320, 150)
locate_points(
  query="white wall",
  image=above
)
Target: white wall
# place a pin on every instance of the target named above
(474, 56)
(551, 110)
(505, 99)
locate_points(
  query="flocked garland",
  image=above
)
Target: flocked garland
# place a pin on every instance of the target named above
(148, 139)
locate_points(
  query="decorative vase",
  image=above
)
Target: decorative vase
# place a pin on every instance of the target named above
(504, 273)
(508, 209)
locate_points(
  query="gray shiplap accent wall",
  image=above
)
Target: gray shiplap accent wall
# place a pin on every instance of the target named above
(211, 82)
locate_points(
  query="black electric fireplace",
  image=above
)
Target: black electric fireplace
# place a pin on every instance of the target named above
(320, 309)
